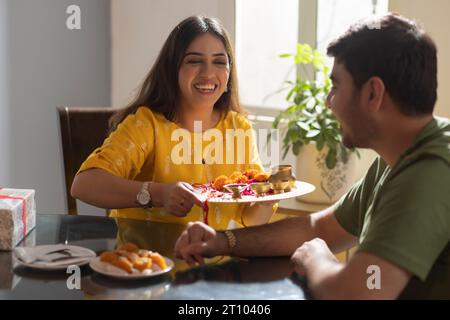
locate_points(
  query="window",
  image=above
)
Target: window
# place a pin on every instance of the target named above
(335, 16)
(266, 28)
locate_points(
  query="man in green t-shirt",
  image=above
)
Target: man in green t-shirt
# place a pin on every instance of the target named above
(384, 92)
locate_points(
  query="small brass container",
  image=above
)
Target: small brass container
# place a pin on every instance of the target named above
(283, 173)
(235, 189)
(261, 188)
(292, 183)
(280, 186)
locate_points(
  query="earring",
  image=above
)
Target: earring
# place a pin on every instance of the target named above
(226, 88)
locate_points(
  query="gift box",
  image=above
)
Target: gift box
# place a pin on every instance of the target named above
(17, 216)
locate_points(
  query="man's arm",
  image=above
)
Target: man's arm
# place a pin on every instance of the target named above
(283, 237)
(365, 276)
(276, 239)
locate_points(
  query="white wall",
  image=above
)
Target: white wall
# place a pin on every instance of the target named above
(43, 65)
(434, 17)
(139, 29)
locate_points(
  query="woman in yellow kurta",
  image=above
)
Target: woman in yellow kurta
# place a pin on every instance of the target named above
(186, 126)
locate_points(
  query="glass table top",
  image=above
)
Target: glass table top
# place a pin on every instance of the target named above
(221, 278)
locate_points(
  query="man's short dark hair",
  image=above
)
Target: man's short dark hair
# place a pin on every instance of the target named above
(398, 51)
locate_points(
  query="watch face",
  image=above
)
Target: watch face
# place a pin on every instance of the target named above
(143, 198)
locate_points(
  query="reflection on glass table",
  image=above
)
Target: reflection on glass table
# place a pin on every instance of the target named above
(221, 278)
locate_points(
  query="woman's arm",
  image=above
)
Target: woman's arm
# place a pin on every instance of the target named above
(105, 190)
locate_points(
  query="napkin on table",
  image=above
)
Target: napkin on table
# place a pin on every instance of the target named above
(52, 255)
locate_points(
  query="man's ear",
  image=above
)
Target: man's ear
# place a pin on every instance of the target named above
(375, 92)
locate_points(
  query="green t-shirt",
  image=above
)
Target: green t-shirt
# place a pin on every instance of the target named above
(402, 214)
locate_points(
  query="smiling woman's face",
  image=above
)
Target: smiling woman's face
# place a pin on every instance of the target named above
(204, 72)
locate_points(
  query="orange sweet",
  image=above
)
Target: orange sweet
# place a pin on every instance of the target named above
(132, 256)
(251, 173)
(239, 177)
(142, 264)
(220, 182)
(242, 179)
(109, 256)
(124, 264)
(129, 257)
(144, 253)
(235, 176)
(262, 177)
(159, 260)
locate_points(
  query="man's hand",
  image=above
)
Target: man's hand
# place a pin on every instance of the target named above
(311, 253)
(198, 241)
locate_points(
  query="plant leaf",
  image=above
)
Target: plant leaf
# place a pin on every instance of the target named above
(308, 119)
(311, 103)
(320, 142)
(312, 133)
(343, 153)
(331, 159)
(304, 54)
(303, 125)
(316, 125)
(276, 122)
(318, 60)
(296, 147)
(291, 92)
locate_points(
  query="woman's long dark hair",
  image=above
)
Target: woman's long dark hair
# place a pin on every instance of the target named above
(160, 90)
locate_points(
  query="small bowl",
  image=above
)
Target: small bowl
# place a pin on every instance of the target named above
(292, 184)
(280, 186)
(282, 167)
(235, 189)
(281, 173)
(261, 188)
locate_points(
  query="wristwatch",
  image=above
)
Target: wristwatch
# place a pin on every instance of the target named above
(144, 199)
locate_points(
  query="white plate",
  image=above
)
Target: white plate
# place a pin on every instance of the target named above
(300, 189)
(112, 271)
(61, 265)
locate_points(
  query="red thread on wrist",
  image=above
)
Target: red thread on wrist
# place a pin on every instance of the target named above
(205, 212)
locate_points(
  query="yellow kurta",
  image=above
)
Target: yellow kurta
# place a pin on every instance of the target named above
(141, 149)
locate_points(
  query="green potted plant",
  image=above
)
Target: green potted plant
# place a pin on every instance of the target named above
(312, 132)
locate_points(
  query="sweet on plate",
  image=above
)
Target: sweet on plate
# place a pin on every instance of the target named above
(248, 176)
(131, 259)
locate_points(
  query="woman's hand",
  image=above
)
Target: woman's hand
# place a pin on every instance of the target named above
(179, 198)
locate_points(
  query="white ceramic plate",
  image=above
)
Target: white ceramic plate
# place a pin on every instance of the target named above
(108, 269)
(61, 265)
(300, 189)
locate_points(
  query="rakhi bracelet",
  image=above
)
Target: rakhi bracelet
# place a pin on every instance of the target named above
(231, 239)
